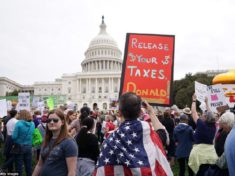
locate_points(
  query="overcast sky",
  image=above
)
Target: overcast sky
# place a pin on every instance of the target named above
(40, 40)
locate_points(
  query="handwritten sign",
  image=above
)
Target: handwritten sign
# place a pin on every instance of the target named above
(148, 67)
(24, 101)
(201, 91)
(216, 97)
(9, 105)
(3, 108)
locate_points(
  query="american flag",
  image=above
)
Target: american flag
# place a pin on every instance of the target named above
(134, 149)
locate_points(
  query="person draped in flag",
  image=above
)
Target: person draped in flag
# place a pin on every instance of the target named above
(134, 148)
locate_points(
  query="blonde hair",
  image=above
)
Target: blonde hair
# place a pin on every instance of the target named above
(25, 115)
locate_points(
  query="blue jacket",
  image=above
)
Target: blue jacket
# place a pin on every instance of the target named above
(23, 132)
(230, 151)
(183, 135)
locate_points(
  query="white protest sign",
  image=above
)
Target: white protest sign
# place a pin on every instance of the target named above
(40, 106)
(9, 105)
(24, 101)
(216, 97)
(200, 91)
(35, 101)
(3, 108)
(203, 106)
(71, 106)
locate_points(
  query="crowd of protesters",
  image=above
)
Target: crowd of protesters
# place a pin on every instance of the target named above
(135, 139)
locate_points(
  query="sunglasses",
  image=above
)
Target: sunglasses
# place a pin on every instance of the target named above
(55, 120)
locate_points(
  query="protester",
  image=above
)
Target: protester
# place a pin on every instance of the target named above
(37, 118)
(230, 151)
(183, 136)
(99, 127)
(226, 122)
(42, 130)
(88, 148)
(169, 124)
(109, 126)
(42, 126)
(76, 124)
(59, 151)
(191, 122)
(203, 153)
(134, 148)
(23, 135)
(70, 117)
(10, 126)
(5, 119)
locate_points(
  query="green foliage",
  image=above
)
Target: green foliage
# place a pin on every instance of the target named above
(13, 93)
(183, 89)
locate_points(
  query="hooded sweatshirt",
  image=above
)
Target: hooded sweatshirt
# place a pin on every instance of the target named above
(23, 132)
(183, 135)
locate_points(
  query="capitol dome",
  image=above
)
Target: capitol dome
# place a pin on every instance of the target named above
(103, 53)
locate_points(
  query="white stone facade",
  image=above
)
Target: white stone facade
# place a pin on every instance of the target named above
(7, 85)
(99, 80)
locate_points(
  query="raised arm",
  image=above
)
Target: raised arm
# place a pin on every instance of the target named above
(194, 109)
(155, 122)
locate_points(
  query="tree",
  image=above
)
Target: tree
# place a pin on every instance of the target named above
(183, 89)
(13, 93)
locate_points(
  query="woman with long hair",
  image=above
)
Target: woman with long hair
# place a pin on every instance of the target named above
(76, 124)
(70, 117)
(23, 135)
(59, 151)
(88, 148)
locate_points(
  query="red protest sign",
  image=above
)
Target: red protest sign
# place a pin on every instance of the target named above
(148, 67)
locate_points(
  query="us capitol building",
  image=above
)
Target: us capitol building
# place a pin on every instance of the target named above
(98, 83)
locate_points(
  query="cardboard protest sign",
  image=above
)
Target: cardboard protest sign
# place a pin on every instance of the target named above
(216, 97)
(200, 91)
(9, 105)
(50, 103)
(3, 108)
(40, 106)
(148, 67)
(24, 101)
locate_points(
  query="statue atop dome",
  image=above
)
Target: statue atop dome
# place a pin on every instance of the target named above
(102, 19)
(103, 26)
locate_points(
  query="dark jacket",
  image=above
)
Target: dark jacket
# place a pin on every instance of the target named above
(183, 135)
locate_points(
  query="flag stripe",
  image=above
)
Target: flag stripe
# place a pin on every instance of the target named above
(109, 170)
(162, 166)
(136, 171)
(127, 171)
(100, 171)
(134, 149)
(145, 171)
(148, 146)
(118, 170)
